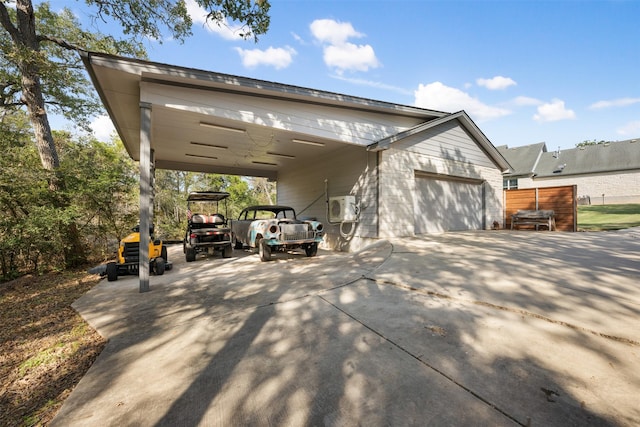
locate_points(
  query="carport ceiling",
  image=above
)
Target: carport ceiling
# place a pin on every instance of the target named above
(210, 122)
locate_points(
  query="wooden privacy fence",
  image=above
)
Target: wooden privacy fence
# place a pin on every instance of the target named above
(561, 200)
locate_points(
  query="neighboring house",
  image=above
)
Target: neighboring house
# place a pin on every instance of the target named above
(408, 169)
(603, 173)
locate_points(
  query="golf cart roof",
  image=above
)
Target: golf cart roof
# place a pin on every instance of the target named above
(207, 196)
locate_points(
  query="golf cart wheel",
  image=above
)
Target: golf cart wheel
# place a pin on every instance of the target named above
(237, 244)
(190, 255)
(112, 272)
(227, 251)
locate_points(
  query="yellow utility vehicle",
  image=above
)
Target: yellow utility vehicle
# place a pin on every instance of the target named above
(128, 259)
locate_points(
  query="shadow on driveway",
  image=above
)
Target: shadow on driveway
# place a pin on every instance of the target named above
(476, 328)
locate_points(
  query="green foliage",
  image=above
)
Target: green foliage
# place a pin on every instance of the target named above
(100, 195)
(587, 143)
(152, 18)
(63, 79)
(608, 217)
(102, 186)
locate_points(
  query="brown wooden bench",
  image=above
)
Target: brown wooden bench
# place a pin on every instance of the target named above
(534, 217)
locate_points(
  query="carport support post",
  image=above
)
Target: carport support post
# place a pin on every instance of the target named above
(145, 193)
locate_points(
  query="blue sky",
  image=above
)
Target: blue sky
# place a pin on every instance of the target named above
(561, 72)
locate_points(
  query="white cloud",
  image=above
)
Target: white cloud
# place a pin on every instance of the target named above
(225, 30)
(278, 58)
(630, 129)
(437, 96)
(103, 128)
(371, 83)
(297, 38)
(496, 83)
(554, 111)
(349, 56)
(339, 53)
(525, 101)
(333, 32)
(622, 102)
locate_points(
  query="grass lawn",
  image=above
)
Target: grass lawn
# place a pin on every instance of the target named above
(608, 217)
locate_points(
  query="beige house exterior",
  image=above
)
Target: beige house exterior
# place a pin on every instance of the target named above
(604, 173)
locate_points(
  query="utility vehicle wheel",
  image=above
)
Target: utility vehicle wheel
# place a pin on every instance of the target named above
(264, 250)
(227, 251)
(163, 253)
(112, 272)
(159, 266)
(311, 250)
(190, 255)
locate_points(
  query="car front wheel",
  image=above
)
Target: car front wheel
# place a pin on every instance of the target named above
(264, 250)
(311, 250)
(237, 244)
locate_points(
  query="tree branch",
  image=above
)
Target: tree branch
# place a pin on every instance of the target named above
(60, 42)
(5, 20)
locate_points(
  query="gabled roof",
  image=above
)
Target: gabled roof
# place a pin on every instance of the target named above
(463, 118)
(523, 160)
(607, 157)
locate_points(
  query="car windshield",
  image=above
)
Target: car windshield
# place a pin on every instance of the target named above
(268, 214)
(288, 213)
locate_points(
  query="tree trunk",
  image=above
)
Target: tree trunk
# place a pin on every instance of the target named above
(32, 94)
(25, 38)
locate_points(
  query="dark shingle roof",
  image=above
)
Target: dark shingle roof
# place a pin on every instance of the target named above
(523, 159)
(606, 157)
(534, 160)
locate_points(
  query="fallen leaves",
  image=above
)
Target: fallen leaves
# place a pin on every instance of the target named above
(46, 346)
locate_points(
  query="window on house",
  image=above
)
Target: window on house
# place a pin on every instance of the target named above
(510, 184)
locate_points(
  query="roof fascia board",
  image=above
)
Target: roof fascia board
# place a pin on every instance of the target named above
(87, 59)
(169, 74)
(538, 157)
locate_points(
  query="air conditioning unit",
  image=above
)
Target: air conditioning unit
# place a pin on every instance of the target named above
(343, 208)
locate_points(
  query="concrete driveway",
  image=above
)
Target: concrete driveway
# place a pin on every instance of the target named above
(473, 328)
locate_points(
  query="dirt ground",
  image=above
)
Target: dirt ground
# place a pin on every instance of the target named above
(46, 346)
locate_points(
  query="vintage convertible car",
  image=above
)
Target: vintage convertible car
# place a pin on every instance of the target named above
(271, 228)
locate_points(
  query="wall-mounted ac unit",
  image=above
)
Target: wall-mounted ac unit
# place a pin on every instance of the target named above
(343, 208)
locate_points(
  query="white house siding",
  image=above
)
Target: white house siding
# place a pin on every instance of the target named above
(349, 170)
(446, 152)
(617, 187)
(342, 124)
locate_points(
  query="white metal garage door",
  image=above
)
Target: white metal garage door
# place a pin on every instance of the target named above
(447, 205)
